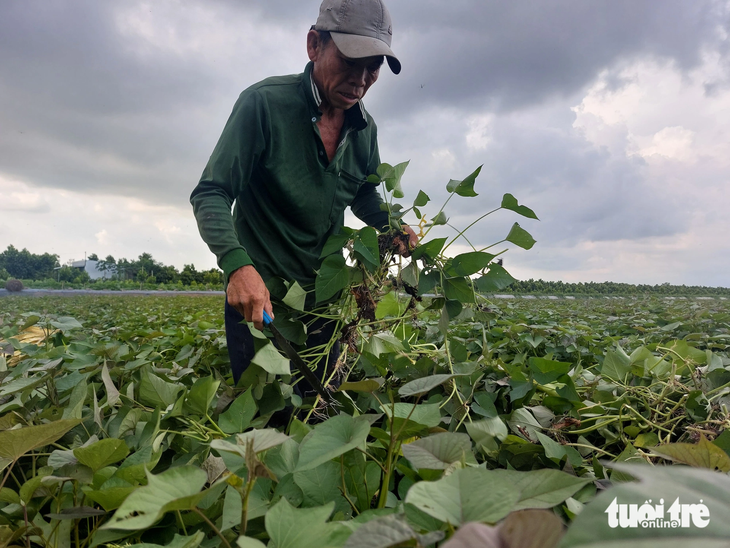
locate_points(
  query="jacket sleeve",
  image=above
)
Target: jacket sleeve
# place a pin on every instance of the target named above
(366, 205)
(229, 170)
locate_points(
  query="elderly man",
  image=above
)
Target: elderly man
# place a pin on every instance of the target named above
(294, 154)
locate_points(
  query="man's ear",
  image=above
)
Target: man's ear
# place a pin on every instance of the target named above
(314, 45)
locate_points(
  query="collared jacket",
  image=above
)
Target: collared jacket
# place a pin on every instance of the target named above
(271, 163)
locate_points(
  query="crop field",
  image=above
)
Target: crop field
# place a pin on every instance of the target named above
(120, 426)
(446, 420)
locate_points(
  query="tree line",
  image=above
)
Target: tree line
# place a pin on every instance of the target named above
(24, 265)
(542, 287)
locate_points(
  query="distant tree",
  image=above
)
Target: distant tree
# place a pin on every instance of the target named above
(213, 276)
(108, 265)
(190, 275)
(66, 274)
(26, 265)
(167, 274)
(92, 257)
(126, 269)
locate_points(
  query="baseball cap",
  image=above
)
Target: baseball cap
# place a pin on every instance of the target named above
(359, 28)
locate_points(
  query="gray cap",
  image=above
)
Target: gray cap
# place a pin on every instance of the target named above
(359, 28)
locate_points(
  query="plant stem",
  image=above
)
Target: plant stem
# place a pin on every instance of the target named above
(468, 227)
(212, 526)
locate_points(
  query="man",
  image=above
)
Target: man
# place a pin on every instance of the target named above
(294, 154)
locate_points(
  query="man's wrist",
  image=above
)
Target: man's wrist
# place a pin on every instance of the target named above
(233, 260)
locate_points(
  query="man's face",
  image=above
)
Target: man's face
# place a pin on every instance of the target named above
(342, 81)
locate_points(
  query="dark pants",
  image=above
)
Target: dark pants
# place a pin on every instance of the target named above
(241, 347)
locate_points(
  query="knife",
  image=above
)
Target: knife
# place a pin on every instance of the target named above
(299, 362)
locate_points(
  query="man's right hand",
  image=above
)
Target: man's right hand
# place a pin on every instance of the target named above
(247, 293)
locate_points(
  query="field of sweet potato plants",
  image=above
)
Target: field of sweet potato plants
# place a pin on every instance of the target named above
(448, 419)
(517, 425)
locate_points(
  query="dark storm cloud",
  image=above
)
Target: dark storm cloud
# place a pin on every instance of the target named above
(84, 106)
(506, 55)
(580, 192)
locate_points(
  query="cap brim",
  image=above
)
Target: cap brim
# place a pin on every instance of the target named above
(356, 47)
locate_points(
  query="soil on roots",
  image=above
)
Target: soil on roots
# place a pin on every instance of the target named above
(390, 242)
(365, 302)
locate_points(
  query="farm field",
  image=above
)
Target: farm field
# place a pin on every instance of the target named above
(119, 426)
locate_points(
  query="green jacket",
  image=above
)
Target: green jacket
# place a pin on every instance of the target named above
(288, 198)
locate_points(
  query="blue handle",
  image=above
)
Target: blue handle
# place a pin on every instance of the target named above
(267, 318)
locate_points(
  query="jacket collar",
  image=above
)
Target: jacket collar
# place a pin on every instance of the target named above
(355, 116)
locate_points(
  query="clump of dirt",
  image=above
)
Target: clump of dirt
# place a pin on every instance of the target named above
(365, 302)
(14, 285)
(389, 242)
(349, 335)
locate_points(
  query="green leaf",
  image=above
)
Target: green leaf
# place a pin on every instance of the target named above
(556, 451)
(366, 247)
(155, 392)
(458, 289)
(78, 512)
(321, 485)
(421, 200)
(487, 433)
(616, 365)
(392, 175)
(467, 264)
(201, 395)
(66, 323)
(460, 497)
(423, 385)
(465, 187)
(331, 278)
(76, 401)
(16, 443)
(495, 280)
(591, 528)
(542, 488)
(292, 330)
(9, 496)
(248, 542)
(109, 498)
(520, 237)
(112, 394)
(177, 488)
(702, 455)
(365, 385)
(331, 439)
(102, 453)
(387, 531)
(410, 274)
(178, 541)
(388, 306)
(485, 405)
(429, 249)
(295, 297)
(439, 451)
(333, 244)
(291, 527)
(262, 440)
(440, 219)
(239, 415)
(510, 202)
(546, 371)
(427, 414)
(270, 359)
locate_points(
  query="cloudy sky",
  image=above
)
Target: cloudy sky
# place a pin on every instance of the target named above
(609, 118)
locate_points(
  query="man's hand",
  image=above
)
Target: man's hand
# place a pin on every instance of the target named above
(247, 293)
(412, 242)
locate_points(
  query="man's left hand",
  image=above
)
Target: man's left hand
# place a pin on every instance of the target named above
(412, 242)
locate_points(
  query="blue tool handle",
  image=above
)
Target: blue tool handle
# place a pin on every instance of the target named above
(267, 318)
